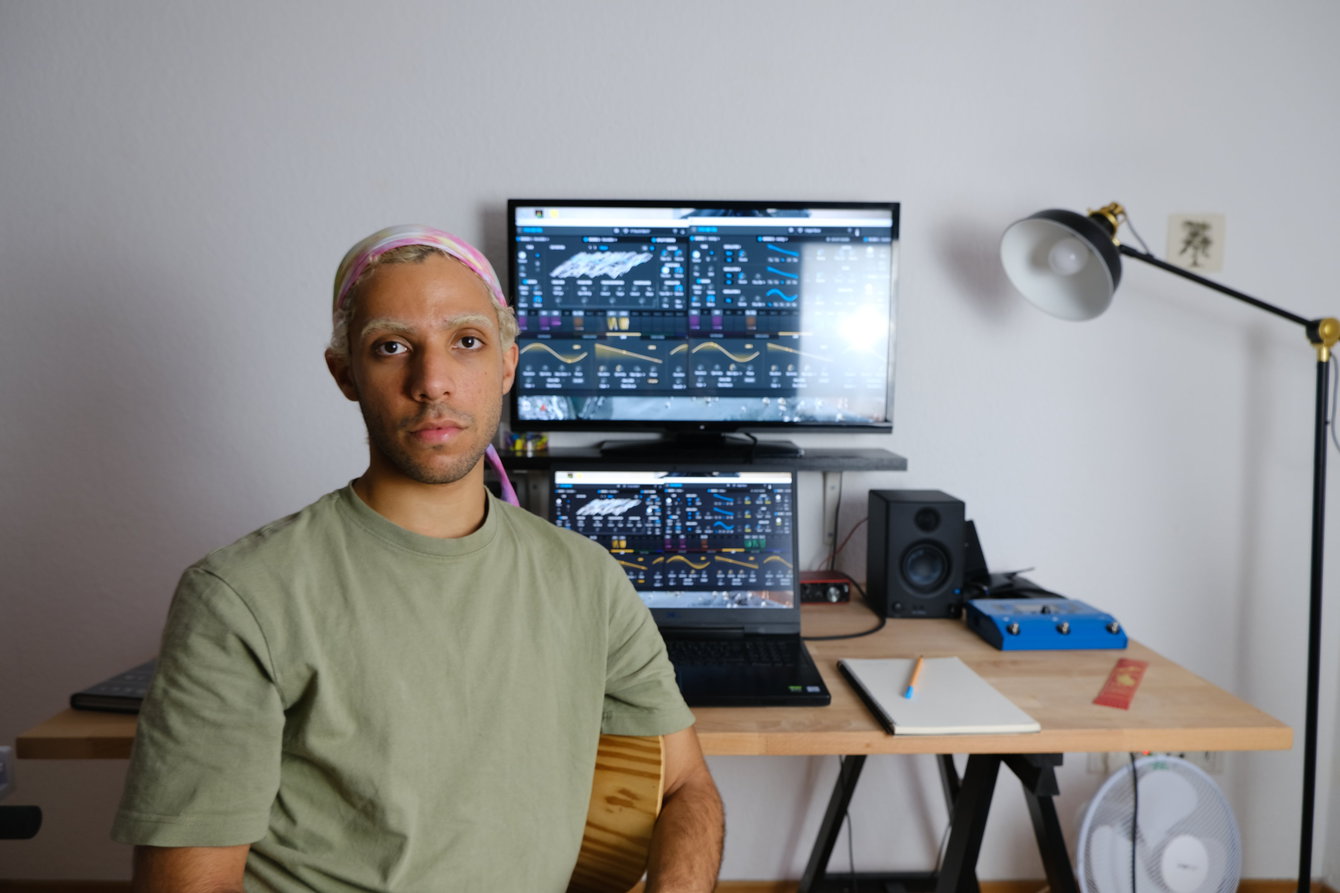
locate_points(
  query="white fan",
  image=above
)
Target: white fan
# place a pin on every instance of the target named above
(1186, 839)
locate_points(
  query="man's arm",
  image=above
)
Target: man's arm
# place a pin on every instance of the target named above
(195, 869)
(686, 844)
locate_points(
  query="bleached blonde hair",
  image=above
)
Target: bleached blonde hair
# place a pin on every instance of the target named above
(407, 254)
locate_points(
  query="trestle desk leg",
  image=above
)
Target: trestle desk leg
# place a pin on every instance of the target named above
(1037, 774)
(967, 825)
(849, 772)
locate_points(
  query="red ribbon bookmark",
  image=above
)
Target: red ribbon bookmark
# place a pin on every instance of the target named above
(1121, 683)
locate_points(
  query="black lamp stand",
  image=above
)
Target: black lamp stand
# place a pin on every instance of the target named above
(1323, 335)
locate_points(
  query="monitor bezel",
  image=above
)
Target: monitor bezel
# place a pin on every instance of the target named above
(707, 432)
(773, 621)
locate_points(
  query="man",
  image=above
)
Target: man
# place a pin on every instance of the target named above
(401, 687)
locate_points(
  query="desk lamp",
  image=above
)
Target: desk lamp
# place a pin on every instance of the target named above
(1069, 265)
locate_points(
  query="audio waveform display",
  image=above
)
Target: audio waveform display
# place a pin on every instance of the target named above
(600, 264)
(706, 571)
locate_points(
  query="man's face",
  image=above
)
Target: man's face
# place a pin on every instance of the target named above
(428, 369)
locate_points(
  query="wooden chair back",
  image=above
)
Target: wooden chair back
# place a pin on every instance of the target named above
(625, 800)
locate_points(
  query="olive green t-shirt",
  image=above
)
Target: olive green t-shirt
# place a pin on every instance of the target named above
(371, 709)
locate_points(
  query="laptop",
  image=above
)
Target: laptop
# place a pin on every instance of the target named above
(712, 553)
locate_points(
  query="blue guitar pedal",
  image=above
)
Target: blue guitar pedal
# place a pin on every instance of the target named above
(1043, 624)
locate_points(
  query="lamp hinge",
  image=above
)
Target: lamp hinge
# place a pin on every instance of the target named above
(1111, 215)
(1324, 334)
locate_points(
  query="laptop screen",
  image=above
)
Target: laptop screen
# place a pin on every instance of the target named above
(703, 548)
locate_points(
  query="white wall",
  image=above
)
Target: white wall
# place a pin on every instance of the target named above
(178, 180)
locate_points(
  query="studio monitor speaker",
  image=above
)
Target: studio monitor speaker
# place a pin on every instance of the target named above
(914, 565)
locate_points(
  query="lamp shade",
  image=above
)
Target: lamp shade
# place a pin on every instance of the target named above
(1063, 262)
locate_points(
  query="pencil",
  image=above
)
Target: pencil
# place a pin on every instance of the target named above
(916, 674)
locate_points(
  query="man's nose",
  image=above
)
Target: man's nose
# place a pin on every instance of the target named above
(433, 374)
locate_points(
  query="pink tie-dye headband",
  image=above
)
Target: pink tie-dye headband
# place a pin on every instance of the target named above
(357, 258)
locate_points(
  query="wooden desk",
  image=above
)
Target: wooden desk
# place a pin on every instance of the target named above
(1173, 710)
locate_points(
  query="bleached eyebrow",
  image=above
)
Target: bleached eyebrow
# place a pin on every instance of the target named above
(385, 326)
(392, 326)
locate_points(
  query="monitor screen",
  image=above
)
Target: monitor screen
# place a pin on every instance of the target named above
(712, 545)
(703, 317)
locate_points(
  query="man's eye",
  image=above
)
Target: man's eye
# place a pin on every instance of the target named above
(389, 349)
(471, 342)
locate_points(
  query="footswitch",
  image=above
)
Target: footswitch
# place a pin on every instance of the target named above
(1043, 624)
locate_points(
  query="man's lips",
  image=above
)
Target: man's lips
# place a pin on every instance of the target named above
(435, 431)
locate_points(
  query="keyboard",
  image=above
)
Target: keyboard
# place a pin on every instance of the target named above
(755, 652)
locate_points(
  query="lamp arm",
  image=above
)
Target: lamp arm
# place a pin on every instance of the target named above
(1209, 283)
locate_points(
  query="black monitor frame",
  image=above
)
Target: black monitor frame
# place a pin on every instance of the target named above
(697, 434)
(778, 619)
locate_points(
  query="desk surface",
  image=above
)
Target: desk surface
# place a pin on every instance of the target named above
(1173, 710)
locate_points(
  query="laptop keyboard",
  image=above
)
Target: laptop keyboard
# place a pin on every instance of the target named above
(756, 652)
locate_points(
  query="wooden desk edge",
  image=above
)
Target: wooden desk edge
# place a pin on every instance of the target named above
(79, 735)
(1073, 727)
(85, 735)
(1279, 737)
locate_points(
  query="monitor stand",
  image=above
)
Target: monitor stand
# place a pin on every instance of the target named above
(701, 447)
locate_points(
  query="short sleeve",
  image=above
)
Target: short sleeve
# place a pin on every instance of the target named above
(205, 765)
(641, 697)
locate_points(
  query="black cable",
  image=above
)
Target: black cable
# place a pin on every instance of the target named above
(831, 559)
(1135, 818)
(1335, 379)
(876, 628)
(851, 850)
(1032, 590)
(837, 514)
(1007, 589)
(1136, 234)
(846, 539)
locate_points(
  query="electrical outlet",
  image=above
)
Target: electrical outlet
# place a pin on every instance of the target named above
(1107, 763)
(6, 771)
(1211, 761)
(1196, 242)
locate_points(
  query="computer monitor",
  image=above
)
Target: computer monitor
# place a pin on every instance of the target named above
(700, 319)
(712, 547)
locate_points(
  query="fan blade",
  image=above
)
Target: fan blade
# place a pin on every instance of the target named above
(1166, 798)
(1109, 860)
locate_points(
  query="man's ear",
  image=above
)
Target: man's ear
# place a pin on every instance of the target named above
(510, 357)
(338, 364)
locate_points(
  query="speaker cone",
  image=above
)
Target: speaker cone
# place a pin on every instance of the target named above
(925, 567)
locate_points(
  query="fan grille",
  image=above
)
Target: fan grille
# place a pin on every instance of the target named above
(1186, 837)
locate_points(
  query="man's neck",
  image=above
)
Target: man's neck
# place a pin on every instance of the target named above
(445, 511)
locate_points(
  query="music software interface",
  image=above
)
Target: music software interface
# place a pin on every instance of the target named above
(721, 540)
(630, 313)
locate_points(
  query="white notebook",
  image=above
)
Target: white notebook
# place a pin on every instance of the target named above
(949, 698)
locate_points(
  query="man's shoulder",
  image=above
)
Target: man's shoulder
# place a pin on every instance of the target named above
(306, 528)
